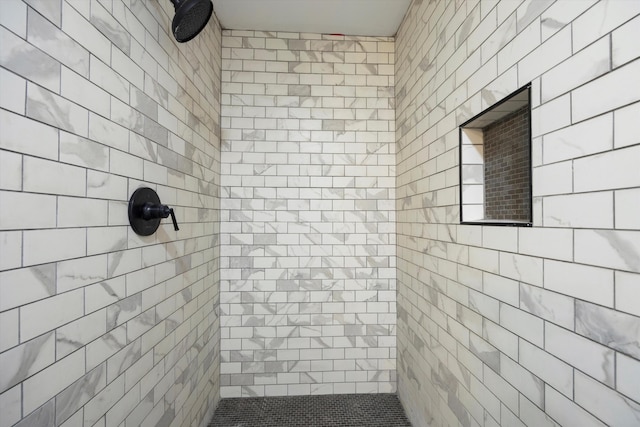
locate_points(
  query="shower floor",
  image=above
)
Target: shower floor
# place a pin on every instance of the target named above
(342, 410)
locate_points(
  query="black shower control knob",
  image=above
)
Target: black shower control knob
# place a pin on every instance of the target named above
(146, 211)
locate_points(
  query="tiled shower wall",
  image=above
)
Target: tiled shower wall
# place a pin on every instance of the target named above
(308, 214)
(521, 326)
(99, 326)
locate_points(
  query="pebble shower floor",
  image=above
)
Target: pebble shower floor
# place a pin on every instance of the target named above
(345, 410)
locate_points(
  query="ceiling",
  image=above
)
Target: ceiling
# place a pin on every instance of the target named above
(349, 17)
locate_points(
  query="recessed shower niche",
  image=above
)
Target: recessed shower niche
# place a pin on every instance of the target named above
(495, 163)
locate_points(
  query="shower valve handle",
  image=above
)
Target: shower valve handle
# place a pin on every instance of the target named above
(152, 211)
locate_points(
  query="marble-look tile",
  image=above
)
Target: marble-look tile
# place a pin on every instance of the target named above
(80, 90)
(28, 136)
(83, 152)
(566, 411)
(627, 292)
(588, 137)
(9, 329)
(618, 93)
(44, 415)
(79, 29)
(14, 91)
(589, 357)
(47, 383)
(76, 334)
(628, 376)
(109, 26)
(10, 406)
(45, 315)
(527, 383)
(35, 283)
(19, 56)
(22, 210)
(25, 360)
(579, 69)
(104, 347)
(550, 306)
(10, 249)
(551, 370)
(612, 249)
(47, 37)
(79, 393)
(605, 403)
(580, 281)
(600, 19)
(71, 244)
(56, 111)
(626, 128)
(611, 328)
(13, 16)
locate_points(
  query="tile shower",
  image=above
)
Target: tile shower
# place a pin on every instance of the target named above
(315, 181)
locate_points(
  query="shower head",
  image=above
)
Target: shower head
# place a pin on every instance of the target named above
(190, 18)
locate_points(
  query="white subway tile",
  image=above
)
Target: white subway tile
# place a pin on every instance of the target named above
(56, 111)
(565, 411)
(27, 136)
(551, 115)
(600, 19)
(608, 248)
(522, 268)
(588, 137)
(14, 92)
(49, 382)
(70, 243)
(546, 243)
(582, 67)
(551, 370)
(590, 210)
(45, 315)
(44, 176)
(611, 90)
(588, 356)
(627, 126)
(580, 281)
(628, 377)
(605, 403)
(627, 209)
(10, 400)
(522, 324)
(10, 249)
(17, 56)
(13, 15)
(25, 210)
(79, 212)
(627, 292)
(80, 272)
(79, 29)
(556, 178)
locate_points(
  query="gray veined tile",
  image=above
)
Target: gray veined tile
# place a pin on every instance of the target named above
(613, 329)
(25, 360)
(79, 393)
(104, 21)
(54, 110)
(28, 61)
(43, 416)
(52, 40)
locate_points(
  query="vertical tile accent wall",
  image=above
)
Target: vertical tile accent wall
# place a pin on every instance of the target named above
(308, 214)
(521, 326)
(99, 326)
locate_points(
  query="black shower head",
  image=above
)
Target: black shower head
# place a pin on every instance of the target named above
(191, 18)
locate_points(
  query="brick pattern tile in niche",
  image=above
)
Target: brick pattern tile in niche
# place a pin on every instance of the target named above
(308, 214)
